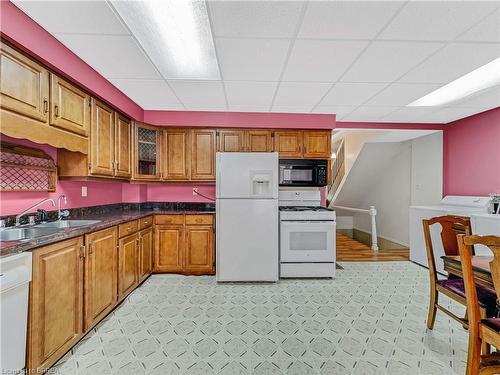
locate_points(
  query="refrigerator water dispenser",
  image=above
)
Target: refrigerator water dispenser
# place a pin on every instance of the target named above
(261, 183)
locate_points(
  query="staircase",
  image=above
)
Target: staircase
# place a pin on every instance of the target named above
(383, 169)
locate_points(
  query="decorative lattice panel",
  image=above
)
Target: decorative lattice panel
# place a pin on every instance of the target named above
(26, 169)
(147, 144)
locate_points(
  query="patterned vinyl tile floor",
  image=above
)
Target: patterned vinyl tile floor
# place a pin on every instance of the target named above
(369, 320)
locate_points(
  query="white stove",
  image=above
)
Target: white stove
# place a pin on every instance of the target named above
(307, 235)
(306, 213)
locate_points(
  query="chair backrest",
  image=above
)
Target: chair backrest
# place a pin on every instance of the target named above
(451, 226)
(466, 244)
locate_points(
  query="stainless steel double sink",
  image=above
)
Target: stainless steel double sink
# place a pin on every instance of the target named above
(40, 230)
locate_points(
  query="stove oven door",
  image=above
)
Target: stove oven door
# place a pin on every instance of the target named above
(307, 241)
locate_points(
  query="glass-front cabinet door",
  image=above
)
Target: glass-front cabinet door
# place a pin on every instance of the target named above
(147, 154)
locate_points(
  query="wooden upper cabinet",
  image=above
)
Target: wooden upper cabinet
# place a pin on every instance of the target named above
(169, 248)
(317, 144)
(24, 85)
(102, 140)
(288, 143)
(56, 302)
(127, 265)
(123, 146)
(203, 154)
(199, 249)
(69, 106)
(231, 140)
(147, 140)
(100, 275)
(259, 140)
(177, 154)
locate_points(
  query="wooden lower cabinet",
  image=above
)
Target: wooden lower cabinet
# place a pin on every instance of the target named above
(100, 275)
(145, 253)
(198, 257)
(77, 282)
(169, 248)
(55, 303)
(128, 277)
(184, 247)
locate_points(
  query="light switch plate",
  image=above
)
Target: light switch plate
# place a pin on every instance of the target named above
(84, 191)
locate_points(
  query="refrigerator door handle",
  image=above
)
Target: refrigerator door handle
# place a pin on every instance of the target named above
(218, 183)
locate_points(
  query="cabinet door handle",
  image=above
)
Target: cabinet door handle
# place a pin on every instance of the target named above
(56, 110)
(45, 105)
(82, 251)
(91, 248)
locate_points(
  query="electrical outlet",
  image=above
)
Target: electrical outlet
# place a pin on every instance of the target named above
(195, 191)
(84, 191)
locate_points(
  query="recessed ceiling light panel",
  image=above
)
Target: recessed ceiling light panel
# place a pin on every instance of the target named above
(480, 79)
(175, 34)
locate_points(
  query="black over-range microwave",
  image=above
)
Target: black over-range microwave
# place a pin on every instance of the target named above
(303, 172)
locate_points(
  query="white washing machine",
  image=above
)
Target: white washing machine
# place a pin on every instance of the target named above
(450, 205)
(485, 224)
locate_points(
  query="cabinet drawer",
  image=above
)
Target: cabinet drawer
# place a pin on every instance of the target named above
(145, 222)
(199, 219)
(127, 228)
(169, 219)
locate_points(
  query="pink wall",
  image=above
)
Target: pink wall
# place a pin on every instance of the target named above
(134, 193)
(472, 155)
(388, 126)
(240, 119)
(98, 193)
(179, 192)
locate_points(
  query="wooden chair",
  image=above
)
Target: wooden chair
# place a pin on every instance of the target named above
(453, 287)
(481, 331)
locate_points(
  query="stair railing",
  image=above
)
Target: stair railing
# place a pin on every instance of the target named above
(373, 214)
(337, 171)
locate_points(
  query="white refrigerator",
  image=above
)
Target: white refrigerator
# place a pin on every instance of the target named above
(247, 216)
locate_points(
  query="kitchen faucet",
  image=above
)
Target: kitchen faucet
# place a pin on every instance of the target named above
(18, 217)
(65, 213)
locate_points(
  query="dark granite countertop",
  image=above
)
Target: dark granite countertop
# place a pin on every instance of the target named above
(108, 218)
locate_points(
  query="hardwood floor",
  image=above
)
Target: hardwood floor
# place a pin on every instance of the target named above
(349, 250)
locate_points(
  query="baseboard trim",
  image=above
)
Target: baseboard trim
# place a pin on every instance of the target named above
(384, 243)
(347, 232)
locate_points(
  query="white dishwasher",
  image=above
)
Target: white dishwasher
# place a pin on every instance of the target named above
(15, 271)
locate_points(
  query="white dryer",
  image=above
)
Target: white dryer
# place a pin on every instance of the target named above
(449, 205)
